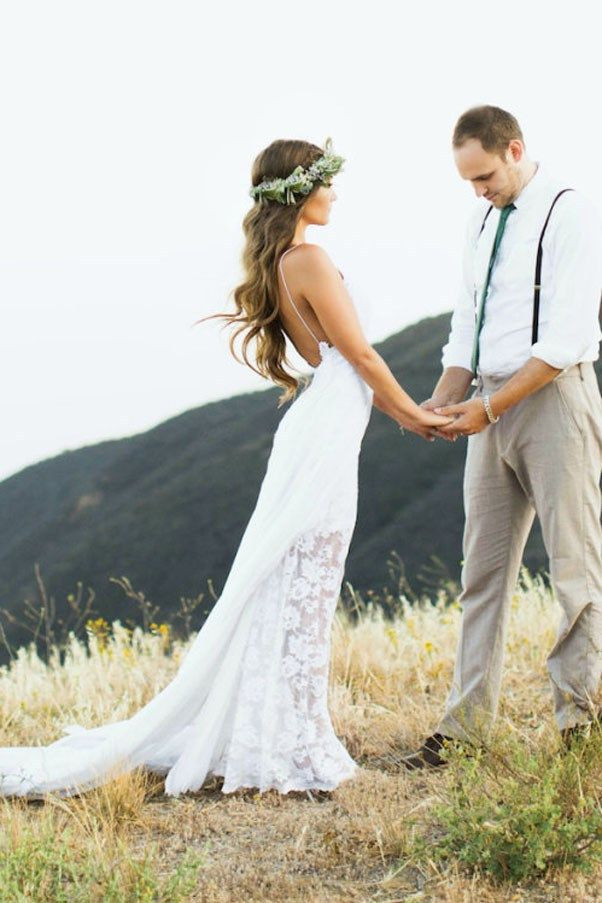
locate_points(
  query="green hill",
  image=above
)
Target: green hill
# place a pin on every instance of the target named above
(167, 507)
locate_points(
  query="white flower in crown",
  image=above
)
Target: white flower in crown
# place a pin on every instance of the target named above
(301, 181)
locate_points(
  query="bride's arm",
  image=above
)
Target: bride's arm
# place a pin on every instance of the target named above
(378, 404)
(322, 286)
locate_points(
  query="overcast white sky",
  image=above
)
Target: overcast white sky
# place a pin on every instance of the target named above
(128, 131)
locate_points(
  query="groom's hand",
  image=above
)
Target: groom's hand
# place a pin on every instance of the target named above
(450, 390)
(470, 418)
(432, 404)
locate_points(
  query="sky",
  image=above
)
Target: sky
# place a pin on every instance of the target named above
(129, 129)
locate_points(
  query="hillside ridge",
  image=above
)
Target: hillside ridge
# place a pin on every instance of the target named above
(167, 507)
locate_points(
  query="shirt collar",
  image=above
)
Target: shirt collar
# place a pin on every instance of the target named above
(533, 188)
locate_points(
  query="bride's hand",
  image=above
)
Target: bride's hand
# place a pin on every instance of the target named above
(423, 421)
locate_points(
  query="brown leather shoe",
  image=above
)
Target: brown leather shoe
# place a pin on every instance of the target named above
(429, 754)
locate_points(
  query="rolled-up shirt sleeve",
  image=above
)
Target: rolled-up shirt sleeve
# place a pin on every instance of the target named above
(458, 351)
(574, 242)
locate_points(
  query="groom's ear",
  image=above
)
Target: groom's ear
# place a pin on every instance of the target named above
(515, 151)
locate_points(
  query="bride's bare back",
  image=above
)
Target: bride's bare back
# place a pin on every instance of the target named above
(315, 307)
(299, 321)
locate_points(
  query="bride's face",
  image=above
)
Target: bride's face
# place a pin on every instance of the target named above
(316, 211)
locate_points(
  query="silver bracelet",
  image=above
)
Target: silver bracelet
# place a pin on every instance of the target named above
(488, 411)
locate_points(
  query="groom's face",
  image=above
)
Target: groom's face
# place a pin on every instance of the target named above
(495, 178)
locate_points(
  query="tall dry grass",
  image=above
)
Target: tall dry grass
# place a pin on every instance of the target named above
(381, 836)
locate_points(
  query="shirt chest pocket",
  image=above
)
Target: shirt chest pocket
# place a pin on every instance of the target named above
(514, 267)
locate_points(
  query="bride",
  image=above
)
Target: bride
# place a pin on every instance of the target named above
(249, 702)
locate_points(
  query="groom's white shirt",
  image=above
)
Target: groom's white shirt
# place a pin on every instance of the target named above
(571, 283)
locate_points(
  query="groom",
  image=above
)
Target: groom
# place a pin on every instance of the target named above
(525, 331)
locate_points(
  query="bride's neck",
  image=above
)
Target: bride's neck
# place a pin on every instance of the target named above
(299, 236)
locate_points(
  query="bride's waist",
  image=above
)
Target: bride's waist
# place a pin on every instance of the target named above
(335, 367)
(336, 379)
(342, 404)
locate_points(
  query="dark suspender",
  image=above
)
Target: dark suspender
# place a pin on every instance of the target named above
(484, 221)
(537, 286)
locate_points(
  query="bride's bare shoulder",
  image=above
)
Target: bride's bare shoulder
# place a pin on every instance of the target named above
(311, 259)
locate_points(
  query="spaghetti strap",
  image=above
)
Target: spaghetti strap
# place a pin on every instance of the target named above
(295, 308)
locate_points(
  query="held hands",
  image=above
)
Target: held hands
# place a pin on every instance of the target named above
(435, 404)
(448, 399)
(469, 417)
(426, 423)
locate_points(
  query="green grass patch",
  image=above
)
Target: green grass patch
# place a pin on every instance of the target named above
(37, 864)
(513, 813)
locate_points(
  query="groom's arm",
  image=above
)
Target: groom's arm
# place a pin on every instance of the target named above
(456, 355)
(471, 416)
(451, 388)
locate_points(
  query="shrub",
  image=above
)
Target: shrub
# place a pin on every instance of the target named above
(514, 813)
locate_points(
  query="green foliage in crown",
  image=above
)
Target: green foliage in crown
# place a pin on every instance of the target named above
(301, 181)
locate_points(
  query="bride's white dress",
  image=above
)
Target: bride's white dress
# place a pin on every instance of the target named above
(249, 701)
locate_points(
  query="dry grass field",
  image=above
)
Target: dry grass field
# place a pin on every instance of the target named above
(522, 822)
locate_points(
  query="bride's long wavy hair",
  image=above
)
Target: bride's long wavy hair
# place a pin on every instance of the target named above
(268, 228)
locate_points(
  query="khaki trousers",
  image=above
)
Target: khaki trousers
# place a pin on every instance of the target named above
(543, 457)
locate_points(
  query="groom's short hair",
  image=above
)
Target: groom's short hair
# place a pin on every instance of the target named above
(493, 127)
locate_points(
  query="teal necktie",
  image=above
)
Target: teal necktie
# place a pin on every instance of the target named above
(504, 214)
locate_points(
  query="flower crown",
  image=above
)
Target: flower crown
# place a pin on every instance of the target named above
(301, 181)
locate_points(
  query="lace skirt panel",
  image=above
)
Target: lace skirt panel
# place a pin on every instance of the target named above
(281, 732)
